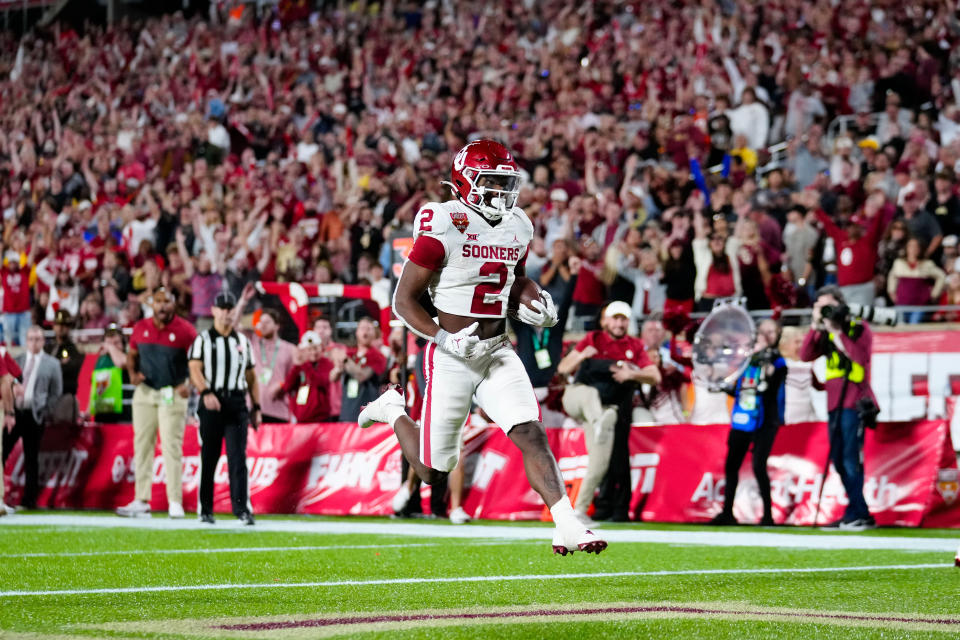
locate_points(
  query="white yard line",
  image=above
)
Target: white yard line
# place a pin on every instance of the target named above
(204, 550)
(501, 578)
(420, 530)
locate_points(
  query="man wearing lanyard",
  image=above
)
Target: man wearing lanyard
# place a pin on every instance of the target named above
(328, 347)
(307, 385)
(274, 358)
(361, 371)
(157, 364)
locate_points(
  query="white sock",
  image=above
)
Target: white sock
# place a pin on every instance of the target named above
(562, 510)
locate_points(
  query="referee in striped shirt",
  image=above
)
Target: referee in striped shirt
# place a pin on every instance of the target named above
(221, 368)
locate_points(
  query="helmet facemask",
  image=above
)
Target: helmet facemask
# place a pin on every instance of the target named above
(492, 192)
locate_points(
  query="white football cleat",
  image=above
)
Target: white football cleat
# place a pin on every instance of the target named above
(956, 559)
(6, 510)
(567, 540)
(387, 408)
(175, 510)
(136, 509)
(459, 516)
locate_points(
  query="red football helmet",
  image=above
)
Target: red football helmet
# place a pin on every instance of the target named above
(486, 178)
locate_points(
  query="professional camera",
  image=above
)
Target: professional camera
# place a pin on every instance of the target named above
(841, 313)
(765, 356)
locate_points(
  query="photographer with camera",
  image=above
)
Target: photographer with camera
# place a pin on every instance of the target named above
(758, 405)
(847, 343)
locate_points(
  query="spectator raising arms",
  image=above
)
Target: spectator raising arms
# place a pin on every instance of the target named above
(855, 242)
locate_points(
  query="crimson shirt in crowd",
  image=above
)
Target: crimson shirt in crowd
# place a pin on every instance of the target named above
(16, 290)
(855, 260)
(308, 390)
(720, 284)
(609, 348)
(589, 288)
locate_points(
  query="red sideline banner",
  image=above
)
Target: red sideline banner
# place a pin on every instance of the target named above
(338, 469)
(678, 475)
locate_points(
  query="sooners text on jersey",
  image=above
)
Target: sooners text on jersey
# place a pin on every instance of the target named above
(479, 259)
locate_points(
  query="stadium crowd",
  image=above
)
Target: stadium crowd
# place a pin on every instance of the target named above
(208, 153)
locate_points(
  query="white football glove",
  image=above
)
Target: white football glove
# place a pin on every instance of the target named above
(543, 314)
(462, 344)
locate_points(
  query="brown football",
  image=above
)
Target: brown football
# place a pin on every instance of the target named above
(523, 291)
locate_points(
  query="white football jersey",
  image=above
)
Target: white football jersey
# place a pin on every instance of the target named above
(479, 259)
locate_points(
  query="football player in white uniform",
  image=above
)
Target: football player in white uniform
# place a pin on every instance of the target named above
(467, 253)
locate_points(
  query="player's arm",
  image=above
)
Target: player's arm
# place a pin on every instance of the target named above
(406, 299)
(544, 312)
(426, 259)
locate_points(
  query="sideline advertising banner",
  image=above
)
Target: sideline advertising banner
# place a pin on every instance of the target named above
(677, 472)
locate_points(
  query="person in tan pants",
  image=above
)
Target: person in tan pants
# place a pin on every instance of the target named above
(582, 403)
(157, 364)
(617, 362)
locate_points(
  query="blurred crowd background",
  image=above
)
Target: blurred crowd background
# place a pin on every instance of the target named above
(675, 152)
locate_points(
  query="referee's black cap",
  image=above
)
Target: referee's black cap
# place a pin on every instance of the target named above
(225, 300)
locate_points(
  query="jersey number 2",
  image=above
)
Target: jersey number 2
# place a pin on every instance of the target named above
(426, 216)
(479, 305)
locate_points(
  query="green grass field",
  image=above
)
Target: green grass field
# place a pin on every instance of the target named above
(301, 577)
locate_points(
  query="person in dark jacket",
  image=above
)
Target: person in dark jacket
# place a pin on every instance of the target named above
(757, 415)
(64, 349)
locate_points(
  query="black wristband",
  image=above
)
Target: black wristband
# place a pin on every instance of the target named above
(256, 407)
(206, 391)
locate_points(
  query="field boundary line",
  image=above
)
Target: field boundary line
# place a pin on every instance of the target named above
(468, 579)
(420, 530)
(328, 547)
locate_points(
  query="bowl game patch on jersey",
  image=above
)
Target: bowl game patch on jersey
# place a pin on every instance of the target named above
(460, 220)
